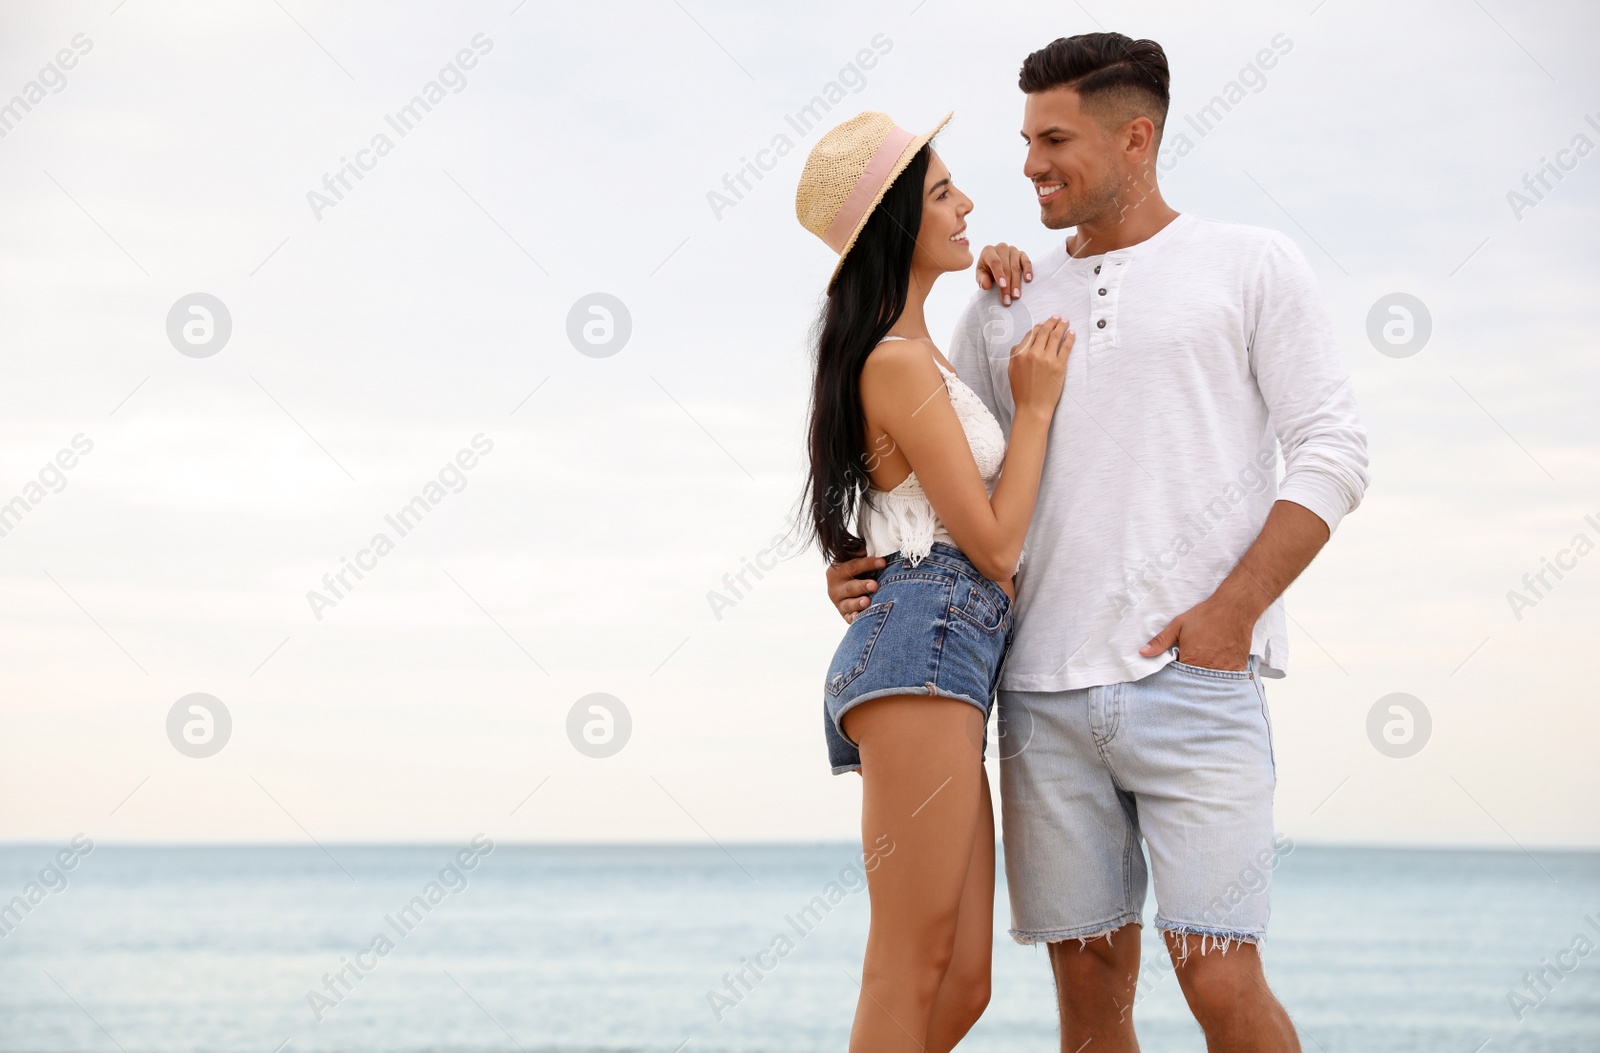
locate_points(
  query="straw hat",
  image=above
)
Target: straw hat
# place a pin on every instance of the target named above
(848, 172)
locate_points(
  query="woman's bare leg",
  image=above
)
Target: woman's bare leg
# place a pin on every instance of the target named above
(964, 994)
(923, 779)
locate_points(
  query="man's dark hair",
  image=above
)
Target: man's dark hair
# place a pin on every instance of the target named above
(1118, 77)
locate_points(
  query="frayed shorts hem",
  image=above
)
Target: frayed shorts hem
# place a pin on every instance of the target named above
(1083, 934)
(1215, 939)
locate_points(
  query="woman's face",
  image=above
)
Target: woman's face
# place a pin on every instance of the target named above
(942, 239)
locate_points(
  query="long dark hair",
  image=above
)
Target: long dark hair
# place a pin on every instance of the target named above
(864, 302)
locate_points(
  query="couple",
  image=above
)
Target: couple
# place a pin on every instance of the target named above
(1130, 437)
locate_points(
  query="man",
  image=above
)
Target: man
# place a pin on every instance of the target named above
(1131, 704)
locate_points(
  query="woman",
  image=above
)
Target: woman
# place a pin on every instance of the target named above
(906, 452)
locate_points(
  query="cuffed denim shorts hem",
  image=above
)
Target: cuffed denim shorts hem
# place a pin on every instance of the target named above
(890, 692)
(1084, 932)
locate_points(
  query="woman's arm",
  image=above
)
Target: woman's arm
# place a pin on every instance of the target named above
(905, 395)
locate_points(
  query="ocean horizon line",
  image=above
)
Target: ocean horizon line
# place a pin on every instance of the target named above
(724, 843)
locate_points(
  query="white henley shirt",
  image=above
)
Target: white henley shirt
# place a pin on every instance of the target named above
(1200, 352)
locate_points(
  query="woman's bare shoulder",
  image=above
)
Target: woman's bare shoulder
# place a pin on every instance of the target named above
(896, 361)
(899, 377)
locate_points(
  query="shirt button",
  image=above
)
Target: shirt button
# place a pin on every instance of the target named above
(1097, 268)
(1102, 292)
(1101, 324)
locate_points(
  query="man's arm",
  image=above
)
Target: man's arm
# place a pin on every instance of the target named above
(969, 352)
(1307, 391)
(1215, 633)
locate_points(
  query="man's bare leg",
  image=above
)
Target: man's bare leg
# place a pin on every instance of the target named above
(1095, 984)
(1228, 995)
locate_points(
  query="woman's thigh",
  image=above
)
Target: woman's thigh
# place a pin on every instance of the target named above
(923, 789)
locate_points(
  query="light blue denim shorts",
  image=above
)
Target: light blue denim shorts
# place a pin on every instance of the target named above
(1180, 760)
(937, 628)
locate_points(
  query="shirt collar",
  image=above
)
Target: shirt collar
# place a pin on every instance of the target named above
(1149, 244)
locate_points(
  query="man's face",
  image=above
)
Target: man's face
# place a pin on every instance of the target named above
(1075, 166)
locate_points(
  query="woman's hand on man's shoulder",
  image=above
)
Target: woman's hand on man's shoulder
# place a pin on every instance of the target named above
(1006, 266)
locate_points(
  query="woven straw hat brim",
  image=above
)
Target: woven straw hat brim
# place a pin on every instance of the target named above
(894, 173)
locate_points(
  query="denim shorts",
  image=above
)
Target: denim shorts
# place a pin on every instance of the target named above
(1180, 760)
(938, 628)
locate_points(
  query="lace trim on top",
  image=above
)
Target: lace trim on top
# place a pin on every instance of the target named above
(903, 519)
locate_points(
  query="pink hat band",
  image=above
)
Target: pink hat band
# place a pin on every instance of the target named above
(862, 195)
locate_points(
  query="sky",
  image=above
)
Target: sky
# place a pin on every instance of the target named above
(254, 302)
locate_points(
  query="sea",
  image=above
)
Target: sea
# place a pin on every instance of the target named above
(738, 947)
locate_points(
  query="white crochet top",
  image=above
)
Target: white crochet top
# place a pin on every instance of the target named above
(902, 519)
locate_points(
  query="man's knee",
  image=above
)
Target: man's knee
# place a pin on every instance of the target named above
(1111, 958)
(1096, 980)
(1216, 981)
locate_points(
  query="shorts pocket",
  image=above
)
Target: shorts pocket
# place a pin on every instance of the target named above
(982, 607)
(855, 650)
(1266, 717)
(1219, 674)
